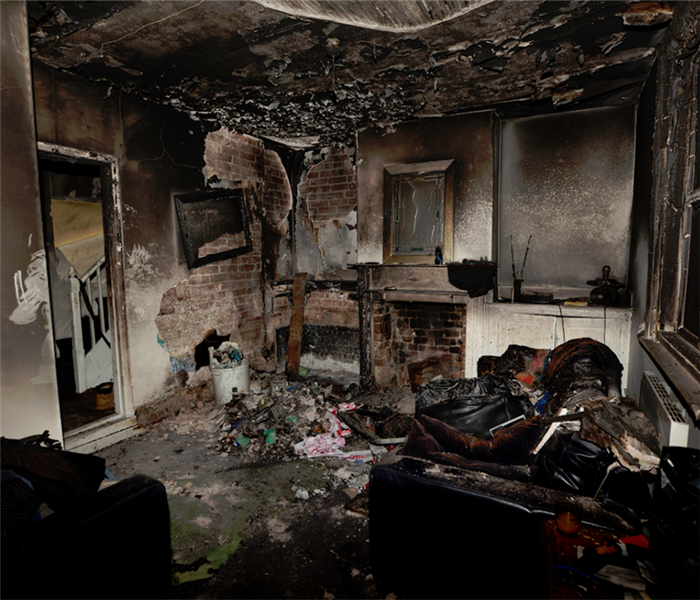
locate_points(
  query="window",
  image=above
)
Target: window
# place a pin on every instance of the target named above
(418, 211)
(672, 313)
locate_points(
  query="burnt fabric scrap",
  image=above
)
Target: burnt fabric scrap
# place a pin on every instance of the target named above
(476, 278)
(621, 428)
(578, 371)
(525, 363)
(435, 440)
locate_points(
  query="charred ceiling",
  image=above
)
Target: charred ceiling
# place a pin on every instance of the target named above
(316, 72)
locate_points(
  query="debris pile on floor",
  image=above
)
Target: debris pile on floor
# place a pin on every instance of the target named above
(286, 420)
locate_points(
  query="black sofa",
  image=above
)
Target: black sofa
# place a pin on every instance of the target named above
(447, 520)
(108, 543)
(444, 532)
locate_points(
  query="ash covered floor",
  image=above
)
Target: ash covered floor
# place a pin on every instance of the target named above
(262, 521)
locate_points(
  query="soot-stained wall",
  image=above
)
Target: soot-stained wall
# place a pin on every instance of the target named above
(326, 224)
(160, 152)
(27, 378)
(641, 228)
(466, 139)
(566, 179)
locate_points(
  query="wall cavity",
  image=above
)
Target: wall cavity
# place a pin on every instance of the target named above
(326, 234)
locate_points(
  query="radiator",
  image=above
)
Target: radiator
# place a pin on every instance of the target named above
(660, 409)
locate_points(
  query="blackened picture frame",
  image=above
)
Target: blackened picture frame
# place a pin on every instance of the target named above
(213, 225)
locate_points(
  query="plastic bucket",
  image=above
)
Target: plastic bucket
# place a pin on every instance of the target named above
(225, 380)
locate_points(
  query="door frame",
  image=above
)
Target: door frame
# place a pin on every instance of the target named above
(121, 424)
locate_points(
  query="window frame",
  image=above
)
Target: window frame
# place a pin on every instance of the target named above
(675, 350)
(446, 167)
(691, 201)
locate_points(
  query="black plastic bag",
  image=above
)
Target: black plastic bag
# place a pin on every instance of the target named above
(568, 463)
(480, 406)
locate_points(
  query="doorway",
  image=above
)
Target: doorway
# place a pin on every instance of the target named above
(78, 212)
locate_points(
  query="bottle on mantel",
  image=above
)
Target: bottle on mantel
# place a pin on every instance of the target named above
(438, 255)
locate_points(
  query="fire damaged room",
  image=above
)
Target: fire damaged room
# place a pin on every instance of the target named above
(350, 299)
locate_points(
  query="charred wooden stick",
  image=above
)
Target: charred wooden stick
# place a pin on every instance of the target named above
(525, 259)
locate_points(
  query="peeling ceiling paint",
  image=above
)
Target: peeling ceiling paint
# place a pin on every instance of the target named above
(260, 71)
(384, 16)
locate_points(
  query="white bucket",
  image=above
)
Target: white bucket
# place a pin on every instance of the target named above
(231, 377)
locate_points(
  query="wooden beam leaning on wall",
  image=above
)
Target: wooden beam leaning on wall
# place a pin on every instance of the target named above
(296, 325)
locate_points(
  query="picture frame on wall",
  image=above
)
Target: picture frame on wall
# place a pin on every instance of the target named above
(213, 225)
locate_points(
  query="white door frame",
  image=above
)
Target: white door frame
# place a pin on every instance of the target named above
(120, 425)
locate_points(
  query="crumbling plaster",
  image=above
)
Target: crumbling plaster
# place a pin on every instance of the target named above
(234, 297)
(326, 218)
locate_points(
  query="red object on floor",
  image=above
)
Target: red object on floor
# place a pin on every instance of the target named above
(636, 540)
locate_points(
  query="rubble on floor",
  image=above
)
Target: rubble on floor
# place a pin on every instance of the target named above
(314, 418)
(232, 504)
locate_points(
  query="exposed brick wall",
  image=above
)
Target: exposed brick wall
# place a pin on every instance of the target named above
(224, 296)
(278, 192)
(233, 156)
(327, 199)
(329, 193)
(326, 307)
(382, 330)
(405, 332)
(228, 295)
(330, 189)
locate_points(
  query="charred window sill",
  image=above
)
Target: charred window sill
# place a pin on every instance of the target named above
(679, 361)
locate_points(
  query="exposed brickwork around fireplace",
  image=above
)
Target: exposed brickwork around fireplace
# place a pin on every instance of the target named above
(405, 332)
(238, 296)
(328, 307)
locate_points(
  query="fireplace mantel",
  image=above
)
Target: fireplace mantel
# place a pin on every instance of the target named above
(411, 283)
(400, 283)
